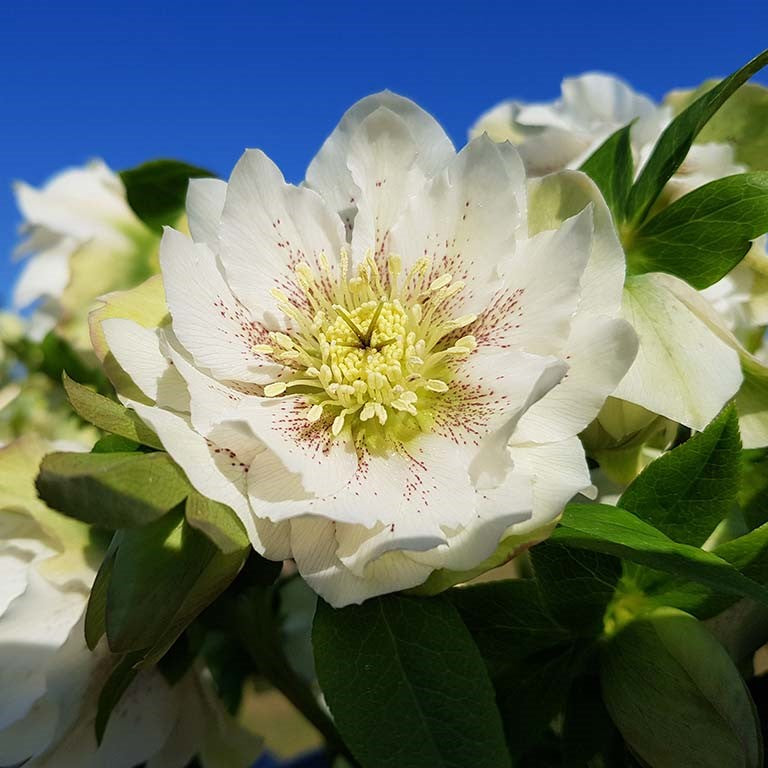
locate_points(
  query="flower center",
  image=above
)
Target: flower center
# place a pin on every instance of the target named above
(369, 349)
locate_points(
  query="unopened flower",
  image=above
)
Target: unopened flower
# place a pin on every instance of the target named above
(383, 372)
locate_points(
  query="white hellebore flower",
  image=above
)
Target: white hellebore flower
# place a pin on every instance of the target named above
(383, 372)
(49, 680)
(684, 370)
(564, 133)
(82, 239)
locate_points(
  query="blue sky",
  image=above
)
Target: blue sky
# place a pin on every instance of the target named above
(201, 81)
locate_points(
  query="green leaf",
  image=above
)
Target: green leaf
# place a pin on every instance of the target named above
(109, 415)
(177, 660)
(611, 168)
(576, 585)
(614, 531)
(507, 620)
(217, 521)
(229, 665)
(164, 575)
(590, 739)
(59, 358)
(705, 234)
(114, 444)
(96, 611)
(117, 684)
(111, 490)
(530, 696)
(748, 553)
(741, 123)
(700, 600)
(406, 685)
(686, 492)
(753, 489)
(53, 356)
(157, 190)
(673, 145)
(677, 697)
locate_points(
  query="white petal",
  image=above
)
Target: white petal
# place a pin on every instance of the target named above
(214, 473)
(213, 326)
(414, 490)
(358, 546)
(205, 202)
(682, 370)
(254, 423)
(68, 677)
(481, 409)
(599, 352)
(465, 222)
(596, 98)
(752, 397)
(496, 510)
(30, 735)
(14, 567)
(186, 739)
(138, 351)
(534, 310)
(555, 149)
(559, 471)
(138, 727)
(554, 199)
(306, 449)
(752, 404)
(329, 172)
(81, 202)
(45, 274)
(32, 631)
(314, 548)
(22, 542)
(500, 123)
(267, 228)
(383, 160)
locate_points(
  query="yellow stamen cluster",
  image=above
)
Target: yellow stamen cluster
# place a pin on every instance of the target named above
(367, 348)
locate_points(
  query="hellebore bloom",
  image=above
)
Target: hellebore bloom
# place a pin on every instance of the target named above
(82, 240)
(564, 133)
(383, 371)
(667, 378)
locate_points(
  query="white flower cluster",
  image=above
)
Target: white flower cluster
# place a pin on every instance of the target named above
(389, 372)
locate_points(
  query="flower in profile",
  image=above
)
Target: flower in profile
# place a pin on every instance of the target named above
(81, 240)
(383, 371)
(49, 681)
